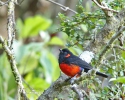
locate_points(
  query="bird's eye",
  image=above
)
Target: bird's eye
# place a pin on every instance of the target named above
(67, 55)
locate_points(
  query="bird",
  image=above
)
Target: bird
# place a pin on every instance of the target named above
(72, 65)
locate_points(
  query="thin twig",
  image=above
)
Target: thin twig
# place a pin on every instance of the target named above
(4, 3)
(31, 89)
(119, 47)
(64, 8)
(121, 40)
(103, 7)
(85, 94)
(77, 91)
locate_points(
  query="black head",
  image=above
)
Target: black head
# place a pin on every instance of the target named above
(64, 54)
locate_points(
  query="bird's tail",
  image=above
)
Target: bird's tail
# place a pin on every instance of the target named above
(101, 74)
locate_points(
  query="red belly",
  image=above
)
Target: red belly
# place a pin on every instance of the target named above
(69, 70)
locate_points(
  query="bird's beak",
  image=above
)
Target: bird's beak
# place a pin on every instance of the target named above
(60, 50)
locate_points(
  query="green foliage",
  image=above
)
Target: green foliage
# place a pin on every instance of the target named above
(117, 4)
(56, 41)
(119, 79)
(7, 81)
(36, 62)
(80, 25)
(49, 63)
(32, 26)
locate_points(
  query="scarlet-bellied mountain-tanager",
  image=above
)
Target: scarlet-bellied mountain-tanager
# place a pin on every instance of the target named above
(72, 65)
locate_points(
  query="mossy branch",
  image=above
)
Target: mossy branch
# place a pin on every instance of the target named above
(53, 91)
(8, 48)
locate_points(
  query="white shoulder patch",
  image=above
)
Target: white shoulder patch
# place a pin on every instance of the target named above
(86, 56)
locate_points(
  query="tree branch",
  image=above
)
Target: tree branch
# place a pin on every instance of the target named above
(11, 23)
(64, 8)
(53, 91)
(113, 23)
(7, 46)
(77, 91)
(104, 7)
(4, 3)
(21, 91)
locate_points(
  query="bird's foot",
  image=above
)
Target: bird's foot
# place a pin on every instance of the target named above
(72, 80)
(68, 79)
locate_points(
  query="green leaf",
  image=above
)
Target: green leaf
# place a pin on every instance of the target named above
(33, 25)
(19, 27)
(55, 66)
(47, 65)
(123, 54)
(92, 96)
(50, 65)
(12, 86)
(56, 41)
(119, 79)
(35, 83)
(21, 50)
(38, 85)
(84, 27)
(7, 81)
(28, 63)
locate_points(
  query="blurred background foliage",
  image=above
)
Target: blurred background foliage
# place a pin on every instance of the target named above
(41, 29)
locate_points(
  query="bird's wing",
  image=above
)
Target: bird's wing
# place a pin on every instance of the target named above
(77, 61)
